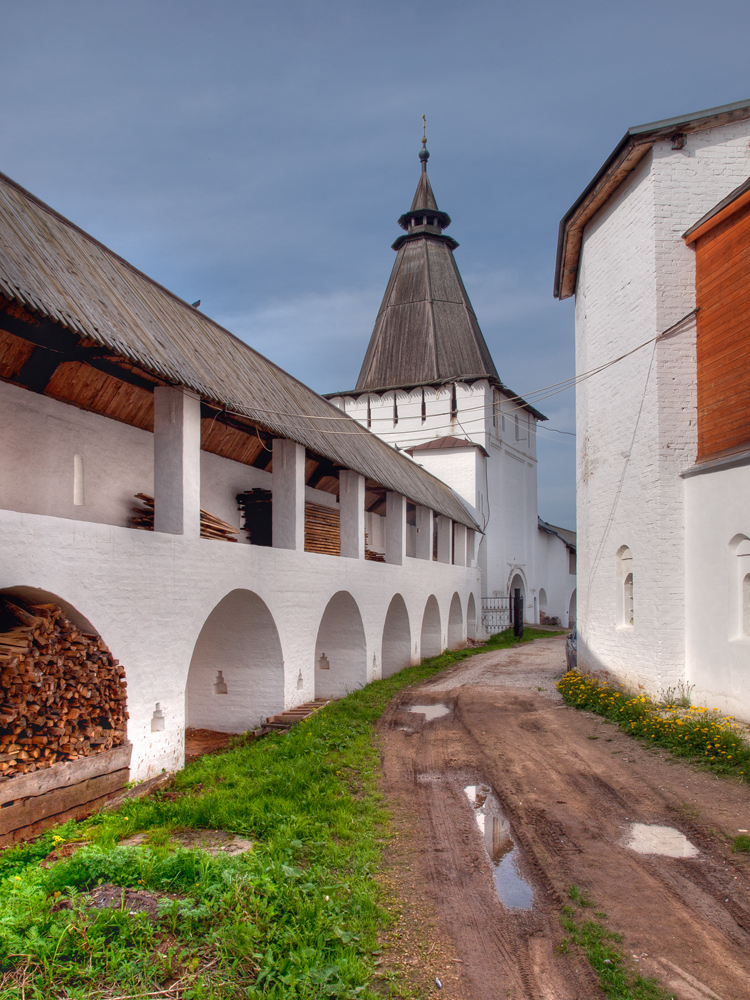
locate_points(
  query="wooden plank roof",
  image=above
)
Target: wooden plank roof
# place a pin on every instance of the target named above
(60, 273)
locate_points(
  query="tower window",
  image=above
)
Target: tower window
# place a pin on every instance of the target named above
(625, 605)
(454, 402)
(369, 413)
(424, 407)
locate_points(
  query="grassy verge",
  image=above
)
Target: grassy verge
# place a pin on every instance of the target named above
(295, 917)
(713, 740)
(601, 947)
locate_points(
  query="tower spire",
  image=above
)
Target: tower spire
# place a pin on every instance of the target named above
(426, 331)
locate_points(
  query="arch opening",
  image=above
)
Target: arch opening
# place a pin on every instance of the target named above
(517, 584)
(572, 610)
(396, 649)
(340, 648)
(625, 579)
(65, 694)
(456, 637)
(236, 675)
(431, 639)
(471, 618)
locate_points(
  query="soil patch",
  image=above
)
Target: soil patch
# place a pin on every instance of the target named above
(199, 742)
(571, 803)
(212, 841)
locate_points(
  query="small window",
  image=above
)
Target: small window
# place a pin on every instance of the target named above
(571, 562)
(518, 428)
(625, 600)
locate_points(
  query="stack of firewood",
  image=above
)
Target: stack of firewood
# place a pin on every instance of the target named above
(211, 526)
(64, 695)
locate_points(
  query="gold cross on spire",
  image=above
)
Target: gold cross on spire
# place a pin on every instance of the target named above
(424, 130)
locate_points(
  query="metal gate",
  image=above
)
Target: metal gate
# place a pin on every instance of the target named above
(497, 614)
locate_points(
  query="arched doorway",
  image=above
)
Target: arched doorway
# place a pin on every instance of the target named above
(572, 610)
(431, 639)
(236, 675)
(471, 618)
(396, 651)
(455, 624)
(340, 649)
(542, 604)
(517, 584)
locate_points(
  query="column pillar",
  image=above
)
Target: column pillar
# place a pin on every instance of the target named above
(459, 544)
(177, 461)
(424, 533)
(444, 539)
(395, 528)
(288, 512)
(352, 514)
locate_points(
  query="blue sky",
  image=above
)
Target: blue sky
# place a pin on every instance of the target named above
(257, 155)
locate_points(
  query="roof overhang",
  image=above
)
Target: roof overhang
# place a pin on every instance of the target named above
(447, 443)
(628, 153)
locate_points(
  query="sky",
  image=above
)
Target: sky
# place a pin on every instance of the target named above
(256, 155)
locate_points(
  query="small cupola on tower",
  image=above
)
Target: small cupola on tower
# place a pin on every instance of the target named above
(424, 216)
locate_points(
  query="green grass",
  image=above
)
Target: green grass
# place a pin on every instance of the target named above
(296, 917)
(600, 945)
(714, 741)
(741, 844)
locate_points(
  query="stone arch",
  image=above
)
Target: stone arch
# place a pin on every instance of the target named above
(431, 639)
(572, 610)
(456, 637)
(396, 649)
(542, 601)
(471, 618)
(236, 675)
(33, 595)
(518, 583)
(340, 649)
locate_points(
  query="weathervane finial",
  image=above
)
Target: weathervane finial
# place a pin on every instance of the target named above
(423, 154)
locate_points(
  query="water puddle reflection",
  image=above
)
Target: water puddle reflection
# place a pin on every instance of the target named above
(512, 888)
(664, 840)
(430, 711)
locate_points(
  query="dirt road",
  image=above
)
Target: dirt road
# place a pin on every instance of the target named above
(510, 786)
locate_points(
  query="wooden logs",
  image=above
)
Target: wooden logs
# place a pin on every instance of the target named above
(64, 696)
(322, 529)
(211, 526)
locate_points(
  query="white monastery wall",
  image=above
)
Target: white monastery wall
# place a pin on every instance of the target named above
(718, 599)
(554, 576)
(636, 420)
(501, 489)
(263, 616)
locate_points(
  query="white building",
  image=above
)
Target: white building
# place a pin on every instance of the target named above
(110, 386)
(429, 387)
(663, 444)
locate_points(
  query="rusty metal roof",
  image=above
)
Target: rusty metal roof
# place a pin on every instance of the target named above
(56, 270)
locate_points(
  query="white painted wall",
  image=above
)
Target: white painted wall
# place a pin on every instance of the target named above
(150, 594)
(553, 565)
(717, 518)
(501, 489)
(636, 420)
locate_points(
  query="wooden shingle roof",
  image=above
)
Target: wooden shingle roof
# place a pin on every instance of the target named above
(59, 273)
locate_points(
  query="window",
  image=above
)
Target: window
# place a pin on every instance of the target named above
(625, 599)
(572, 562)
(518, 428)
(739, 573)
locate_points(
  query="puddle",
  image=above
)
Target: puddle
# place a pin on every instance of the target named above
(664, 840)
(430, 711)
(512, 888)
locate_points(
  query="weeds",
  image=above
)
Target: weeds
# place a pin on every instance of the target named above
(680, 696)
(713, 740)
(600, 945)
(741, 844)
(295, 917)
